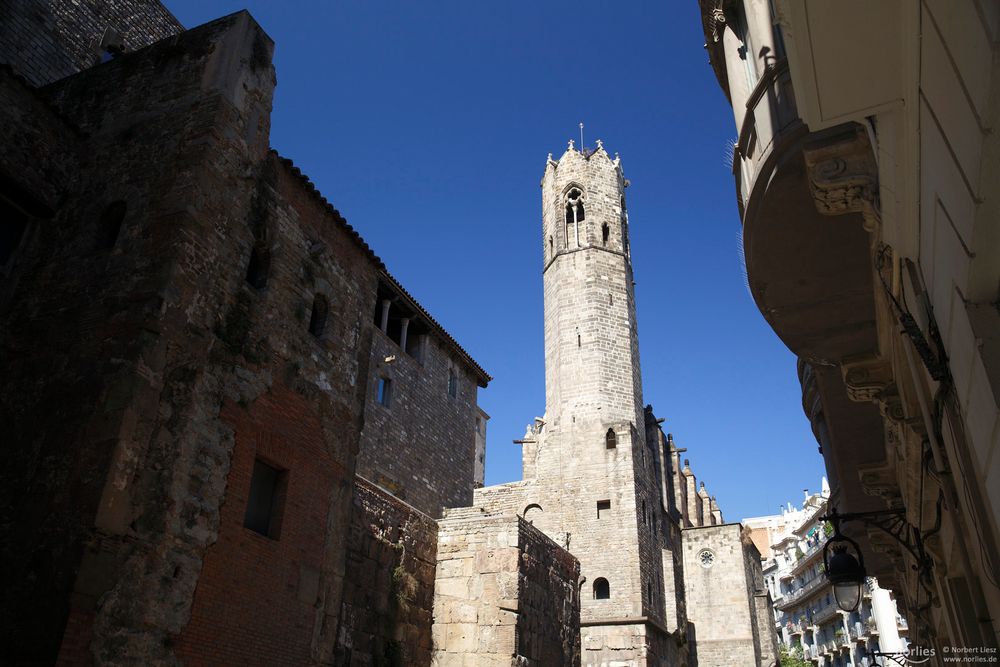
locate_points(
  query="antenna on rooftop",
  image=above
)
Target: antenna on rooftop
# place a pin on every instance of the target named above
(582, 145)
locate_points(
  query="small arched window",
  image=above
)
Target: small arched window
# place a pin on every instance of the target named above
(317, 321)
(610, 439)
(111, 224)
(602, 590)
(259, 267)
(605, 233)
(452, 383)
(532, 511)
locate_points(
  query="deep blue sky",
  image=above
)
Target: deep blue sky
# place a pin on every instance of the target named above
(427, 125)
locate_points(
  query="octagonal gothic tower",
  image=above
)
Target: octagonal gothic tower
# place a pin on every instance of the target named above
(593, 472)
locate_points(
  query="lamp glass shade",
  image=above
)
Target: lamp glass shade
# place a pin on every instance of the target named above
(848, 595)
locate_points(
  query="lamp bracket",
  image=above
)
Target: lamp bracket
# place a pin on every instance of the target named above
(894, 524)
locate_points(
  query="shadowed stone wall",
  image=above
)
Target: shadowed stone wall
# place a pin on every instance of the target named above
(46, 40)
(504, 594)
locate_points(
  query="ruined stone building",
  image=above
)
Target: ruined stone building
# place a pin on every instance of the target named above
(233, 437)
(866, 185)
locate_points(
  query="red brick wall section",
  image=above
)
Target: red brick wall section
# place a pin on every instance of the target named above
(74, 651)
(256, 597)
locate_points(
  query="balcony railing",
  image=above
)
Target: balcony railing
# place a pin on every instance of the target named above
(770, 114)
(794, 597)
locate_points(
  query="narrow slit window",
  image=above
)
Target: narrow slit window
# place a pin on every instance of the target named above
(265, 505)
(610, 439)
(384, 392)
(111, 224)
(317, 321)
(605, 233)
(452, 383)
(603, 508)
(258, 267)
(602, 590)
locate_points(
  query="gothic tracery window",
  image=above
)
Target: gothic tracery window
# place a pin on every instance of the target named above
(575, 214)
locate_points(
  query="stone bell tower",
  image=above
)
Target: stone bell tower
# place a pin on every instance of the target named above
(591, 345)
(593, 474)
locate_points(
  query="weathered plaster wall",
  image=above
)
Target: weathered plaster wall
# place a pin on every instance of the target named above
(388, 595)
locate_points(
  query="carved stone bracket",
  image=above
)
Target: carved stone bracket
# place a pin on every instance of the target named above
(843, 176)
(869, 378)
(880, 481)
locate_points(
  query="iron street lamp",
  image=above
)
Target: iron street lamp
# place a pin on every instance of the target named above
(846, 571)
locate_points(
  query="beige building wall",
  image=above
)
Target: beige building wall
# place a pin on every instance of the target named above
(886, 156)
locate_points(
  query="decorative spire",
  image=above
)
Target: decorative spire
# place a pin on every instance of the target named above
(600, 144)
(570, 147)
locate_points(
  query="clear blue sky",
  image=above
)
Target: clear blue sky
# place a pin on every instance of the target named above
(427, 125)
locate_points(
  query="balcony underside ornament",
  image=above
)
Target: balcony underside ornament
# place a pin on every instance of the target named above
(843, 176)
(869, 378)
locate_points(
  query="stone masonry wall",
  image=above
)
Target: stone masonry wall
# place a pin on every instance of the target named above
(421, 446)
(719, 609)
(388, 595)
(172, 372)
(46, 40)
(504, 594)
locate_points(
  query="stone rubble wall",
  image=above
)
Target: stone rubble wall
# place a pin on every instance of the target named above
(504, 594)
(389, 583)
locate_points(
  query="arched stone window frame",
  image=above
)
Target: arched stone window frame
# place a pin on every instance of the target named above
(574, 212)
(602, 589)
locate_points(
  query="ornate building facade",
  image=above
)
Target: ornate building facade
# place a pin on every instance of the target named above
(865, 170)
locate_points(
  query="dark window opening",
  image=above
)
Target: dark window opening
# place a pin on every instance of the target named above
(12, 225)
(610, 439)
(317, 321)
(265, 506)
(603, 508)
(605, 233)
(415, 343)
(384, 395)
(452, 383)
(602, 590)
(258, 267)
(552, 247)
(649, 590)
(110, 224)
(644, 517)
(394, 327)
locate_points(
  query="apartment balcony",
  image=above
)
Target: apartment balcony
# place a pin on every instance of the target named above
(791, 599)
(826, 612)
(770, 123)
